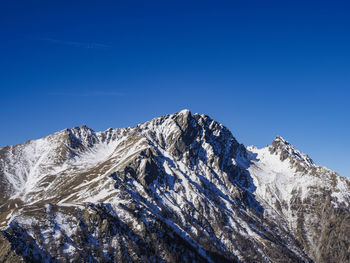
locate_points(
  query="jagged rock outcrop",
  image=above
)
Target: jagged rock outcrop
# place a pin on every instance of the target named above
(178, 188)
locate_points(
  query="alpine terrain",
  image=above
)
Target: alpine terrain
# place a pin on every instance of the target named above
(178, 188)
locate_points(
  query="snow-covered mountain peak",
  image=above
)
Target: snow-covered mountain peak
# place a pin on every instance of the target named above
(286, 150)
(185, 112)
(280, 139)
(184, 134)
(179, 182)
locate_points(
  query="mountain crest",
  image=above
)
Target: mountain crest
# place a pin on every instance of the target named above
(286, 150)
(178, 188)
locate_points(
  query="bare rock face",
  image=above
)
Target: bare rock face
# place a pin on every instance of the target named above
(178, 188)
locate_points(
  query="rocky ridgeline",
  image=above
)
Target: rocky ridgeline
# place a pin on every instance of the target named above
(178, 188)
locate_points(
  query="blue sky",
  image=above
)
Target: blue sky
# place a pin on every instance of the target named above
(262, 68)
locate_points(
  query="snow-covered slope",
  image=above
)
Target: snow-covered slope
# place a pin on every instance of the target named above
(176, 188)
(314, 200)
(277, 178)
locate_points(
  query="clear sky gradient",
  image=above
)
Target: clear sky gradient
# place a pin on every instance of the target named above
(262, 68)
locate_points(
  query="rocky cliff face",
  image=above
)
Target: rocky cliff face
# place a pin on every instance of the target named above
(178, 188)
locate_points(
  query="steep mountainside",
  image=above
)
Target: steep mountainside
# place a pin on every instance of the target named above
(314, 200)
(178, 188)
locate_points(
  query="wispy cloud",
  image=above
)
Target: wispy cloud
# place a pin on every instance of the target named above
(87, 94)
(87, 45)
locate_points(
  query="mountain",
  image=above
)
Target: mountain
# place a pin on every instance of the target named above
(178, 188)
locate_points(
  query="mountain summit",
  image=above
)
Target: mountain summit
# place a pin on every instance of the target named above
(178, 188)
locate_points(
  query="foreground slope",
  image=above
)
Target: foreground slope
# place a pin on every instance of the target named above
(176, 188)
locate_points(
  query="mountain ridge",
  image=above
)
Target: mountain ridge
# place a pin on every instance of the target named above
(177, 177)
